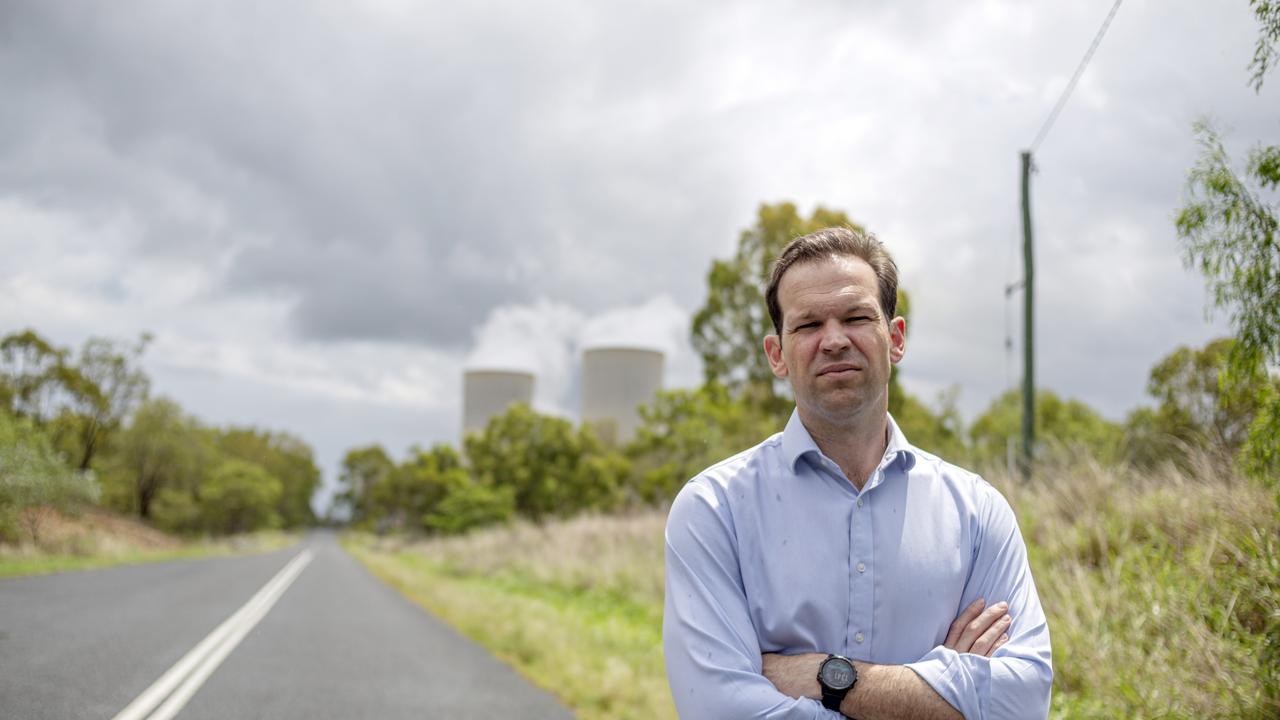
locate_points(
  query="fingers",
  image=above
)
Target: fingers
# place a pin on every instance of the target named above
(968, 615)
(980, 625)
(987, 642)
(999, 642)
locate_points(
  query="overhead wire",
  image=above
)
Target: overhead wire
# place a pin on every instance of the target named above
(1011, 287)
(1071, 86)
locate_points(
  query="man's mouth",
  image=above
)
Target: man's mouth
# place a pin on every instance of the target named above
(838, 369)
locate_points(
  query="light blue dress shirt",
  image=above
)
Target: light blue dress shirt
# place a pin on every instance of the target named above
(775, 551)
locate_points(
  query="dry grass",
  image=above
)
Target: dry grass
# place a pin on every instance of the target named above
(620, 555)
(100, 538)
(1162, 591)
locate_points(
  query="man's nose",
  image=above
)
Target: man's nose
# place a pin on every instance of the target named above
(834, 338)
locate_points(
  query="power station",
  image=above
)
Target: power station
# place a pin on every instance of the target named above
(486, 393)
(616, 381)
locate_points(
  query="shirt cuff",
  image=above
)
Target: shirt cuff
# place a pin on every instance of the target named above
(944, 670)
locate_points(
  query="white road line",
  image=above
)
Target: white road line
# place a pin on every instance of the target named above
(189, 673)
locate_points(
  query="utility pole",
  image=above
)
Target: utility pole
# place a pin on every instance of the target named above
(1028, 327)
(1028, 280)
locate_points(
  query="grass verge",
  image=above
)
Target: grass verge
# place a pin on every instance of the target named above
(588, 637)
(99, 539)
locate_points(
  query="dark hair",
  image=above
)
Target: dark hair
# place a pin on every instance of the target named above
(829, 242)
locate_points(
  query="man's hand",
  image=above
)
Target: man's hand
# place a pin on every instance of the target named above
(980, 631)
(794, 675)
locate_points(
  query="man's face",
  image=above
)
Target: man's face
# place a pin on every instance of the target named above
(835, 346)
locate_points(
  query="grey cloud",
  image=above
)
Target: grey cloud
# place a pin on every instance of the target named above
(400, 177)
(320, 141)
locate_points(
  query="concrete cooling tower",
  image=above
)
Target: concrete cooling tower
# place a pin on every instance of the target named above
(615, 382)
(486, 393)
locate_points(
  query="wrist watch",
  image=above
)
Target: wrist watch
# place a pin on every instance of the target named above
(836, 675)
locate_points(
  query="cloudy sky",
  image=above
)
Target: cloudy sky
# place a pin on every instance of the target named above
(325, 211)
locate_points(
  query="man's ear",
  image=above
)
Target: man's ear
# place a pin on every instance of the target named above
(773, 351)
(897, 339)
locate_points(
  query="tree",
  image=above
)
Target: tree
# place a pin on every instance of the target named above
(1063, 424)
(414, 489)
(1228, 228)
(108, 386)
(545, 461)
(34, 375)
(80, 401)
(238, 497)
(1199, 405)
(285, 457)
(729, 329)
(160, 448)
(1264, 53)
(685, 431)
(363, 469)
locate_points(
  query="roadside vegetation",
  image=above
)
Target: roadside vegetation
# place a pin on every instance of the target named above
(97, 538)
(1162, 591)
(574, 605)
(95, 471)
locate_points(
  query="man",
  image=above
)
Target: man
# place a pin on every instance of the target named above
(837, 548)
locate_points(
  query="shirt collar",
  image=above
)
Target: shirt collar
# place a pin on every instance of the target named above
(797, 442)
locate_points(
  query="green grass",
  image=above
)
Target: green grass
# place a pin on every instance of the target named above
(1162, 593)
(592, 639)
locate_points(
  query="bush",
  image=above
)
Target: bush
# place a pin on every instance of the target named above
(35, 480)
(176, 511)
(468, 504)
(545, 462)
(239, 497)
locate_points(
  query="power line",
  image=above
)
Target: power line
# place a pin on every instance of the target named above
(1066, 93)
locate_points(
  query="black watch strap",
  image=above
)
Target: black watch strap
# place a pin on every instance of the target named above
(831, 699)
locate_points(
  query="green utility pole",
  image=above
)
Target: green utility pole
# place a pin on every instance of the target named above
(1028, 327)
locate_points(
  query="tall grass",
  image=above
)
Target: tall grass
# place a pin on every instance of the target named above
(99, 538)
(1162, 592)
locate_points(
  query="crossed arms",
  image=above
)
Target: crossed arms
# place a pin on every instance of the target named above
(717, 669)
(895, 691)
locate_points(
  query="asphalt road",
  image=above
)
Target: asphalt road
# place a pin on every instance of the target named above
(337, 644)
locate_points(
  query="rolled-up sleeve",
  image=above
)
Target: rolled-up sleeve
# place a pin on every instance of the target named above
(710, 646)
(1016, 681)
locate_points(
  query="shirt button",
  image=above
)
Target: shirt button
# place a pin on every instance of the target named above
(862, 567)
(859, 502)
(858, 638)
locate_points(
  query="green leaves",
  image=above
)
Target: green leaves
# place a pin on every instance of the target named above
(1061, 423)
(1264, 52)
(551, 468)
(1229, 233)
(34, 479)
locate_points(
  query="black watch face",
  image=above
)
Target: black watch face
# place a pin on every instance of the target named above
(837, 673)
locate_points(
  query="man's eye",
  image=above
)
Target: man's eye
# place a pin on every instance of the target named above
(807, 326)
(858, 318)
